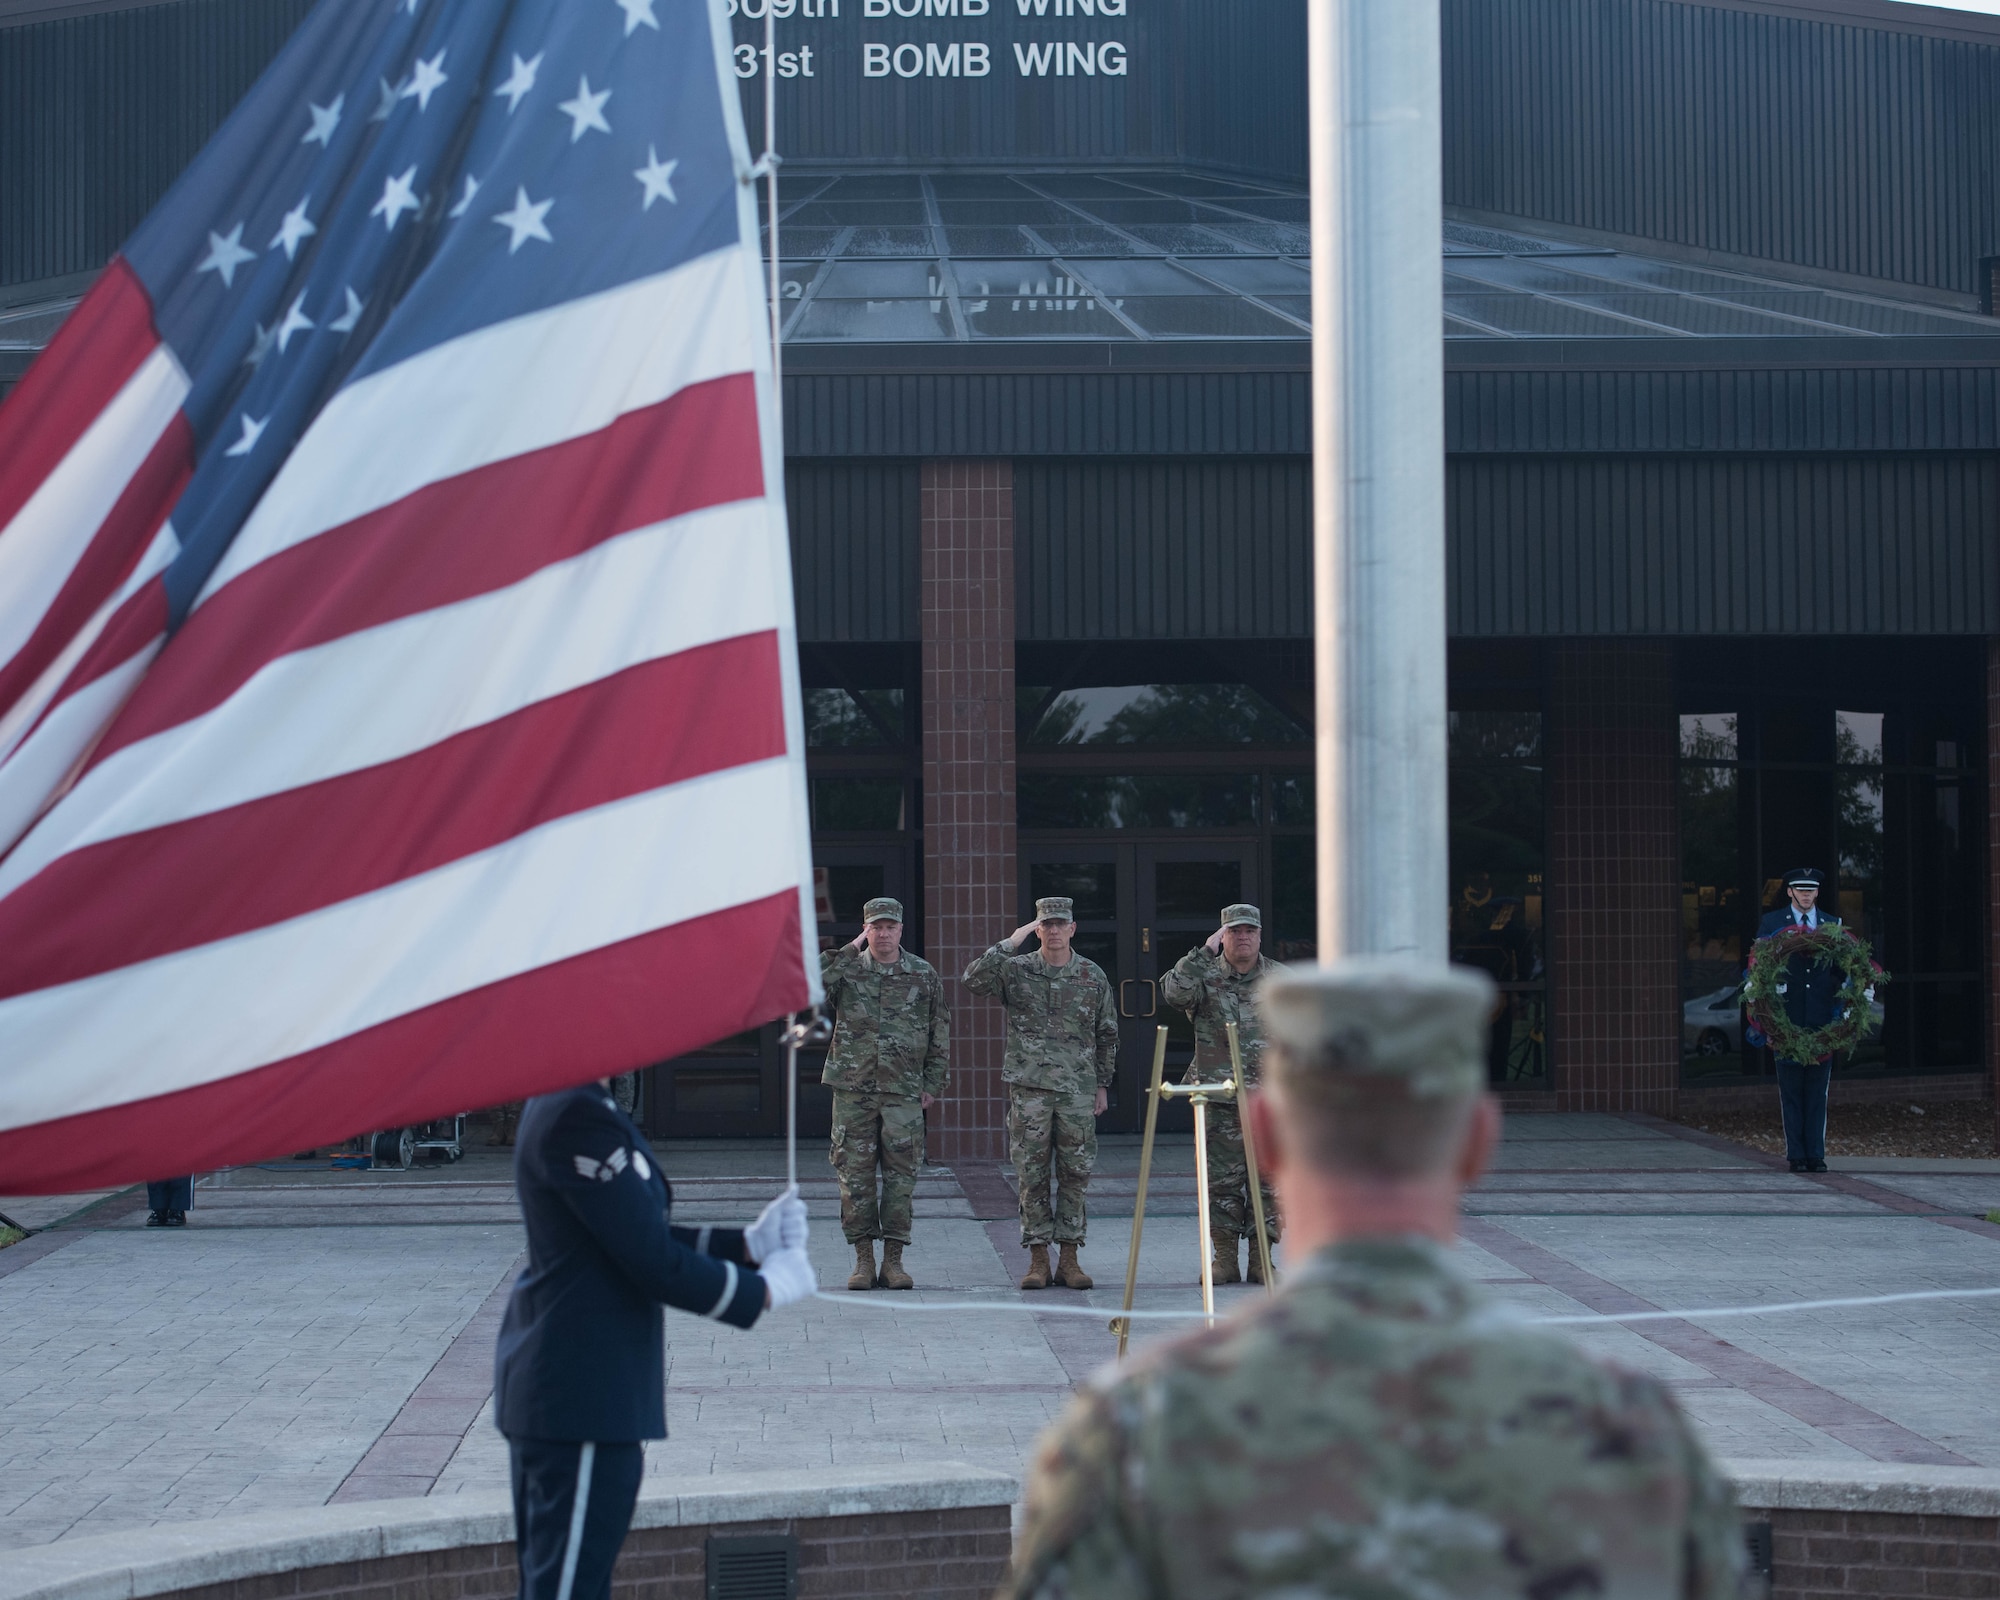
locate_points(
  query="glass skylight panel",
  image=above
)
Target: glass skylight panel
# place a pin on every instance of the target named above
(994, 213)
(1703, 316)
(875, 321)
(1087, 240)
(1209, 316)
(1145, 277)
(1264, 238)
(889, 242)
(1138, 209)
(880, 280)
(1527, 316)
(1538, 275)
(989, 242)
(1260, 275)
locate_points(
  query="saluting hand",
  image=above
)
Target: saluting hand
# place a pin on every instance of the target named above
(1014, 939)
(1213, 943)
(859, 941)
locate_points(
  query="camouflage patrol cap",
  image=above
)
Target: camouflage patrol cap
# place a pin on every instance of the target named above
(1387, 1017)
(882, 910)
(1055, 908)
(1241, 916)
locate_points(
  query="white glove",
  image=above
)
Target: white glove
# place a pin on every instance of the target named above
(1868, 994)
(1782, 987)
(781, 1225)
(789, 1276)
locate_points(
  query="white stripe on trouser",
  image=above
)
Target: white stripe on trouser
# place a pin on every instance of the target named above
(586, 1456)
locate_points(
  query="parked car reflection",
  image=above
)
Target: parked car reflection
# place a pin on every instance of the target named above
(1712, 1024)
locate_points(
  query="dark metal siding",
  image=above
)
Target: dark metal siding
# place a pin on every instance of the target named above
(99, 114)
(854, 550)
(1008, 414)
(1800, 545)
(1848, 149)
(1162, 549)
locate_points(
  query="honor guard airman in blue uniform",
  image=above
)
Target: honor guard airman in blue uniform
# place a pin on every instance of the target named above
(579, 1375)
(1812, 992)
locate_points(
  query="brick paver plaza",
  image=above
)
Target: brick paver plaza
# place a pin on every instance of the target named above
(315, 1335)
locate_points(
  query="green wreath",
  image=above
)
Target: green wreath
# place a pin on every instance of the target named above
(1827, 945)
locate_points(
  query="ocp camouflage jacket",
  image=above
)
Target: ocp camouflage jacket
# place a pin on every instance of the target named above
(1214, 994)
(1062, 1025)
(891, 1025)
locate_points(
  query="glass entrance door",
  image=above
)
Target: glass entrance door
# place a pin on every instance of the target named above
(735, 1087)
(1139, 909)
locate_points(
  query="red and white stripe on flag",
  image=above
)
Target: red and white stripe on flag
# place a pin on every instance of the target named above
(476, 771)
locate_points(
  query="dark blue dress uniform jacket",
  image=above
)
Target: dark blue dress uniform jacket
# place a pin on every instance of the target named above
(582, 1350)
(1812, 993)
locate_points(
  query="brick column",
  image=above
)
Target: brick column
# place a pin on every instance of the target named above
(1614, 876)
(1993, 877)
(971, 881)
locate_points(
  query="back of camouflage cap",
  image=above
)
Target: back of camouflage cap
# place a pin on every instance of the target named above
(1384, 1017)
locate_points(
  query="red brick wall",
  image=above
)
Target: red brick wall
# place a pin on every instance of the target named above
(1993, 875)
(1818, 1555)
(1614, 876)
(957, 1555)
(971, 881)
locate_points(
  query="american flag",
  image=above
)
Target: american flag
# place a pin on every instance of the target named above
(398, 696)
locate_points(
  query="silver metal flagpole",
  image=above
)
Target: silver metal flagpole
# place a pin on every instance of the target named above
(1378, 475)
(771, 181)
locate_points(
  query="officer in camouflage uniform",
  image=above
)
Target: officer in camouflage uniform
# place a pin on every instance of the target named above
(1377, 1429)
(1216, 984)
(1062, 1052)
(890, 1056)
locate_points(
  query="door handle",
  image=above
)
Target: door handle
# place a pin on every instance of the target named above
(1152, 997)
(1125, 1005)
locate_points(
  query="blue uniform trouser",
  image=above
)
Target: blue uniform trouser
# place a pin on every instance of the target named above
(1802, 1097)
(572, 1508)
(170, 1194)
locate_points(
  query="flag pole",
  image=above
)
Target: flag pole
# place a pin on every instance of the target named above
(1376, 144)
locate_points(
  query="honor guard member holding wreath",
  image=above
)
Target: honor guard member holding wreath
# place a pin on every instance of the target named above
(1378, 1427)
(1062, 1052)
(579, 1372)
(1216, 983)
(1812, 1000)
(891, 1054)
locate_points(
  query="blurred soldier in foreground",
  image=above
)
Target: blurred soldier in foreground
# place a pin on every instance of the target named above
(1216, 984)
(890, 1056)
(1062, 1052)
(1378, 1428)
(579, 1374)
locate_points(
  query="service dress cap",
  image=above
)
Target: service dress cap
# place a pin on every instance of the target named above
(1055, 908)
(1805, 878)
(882, 909)
(1385, 1017)
(1241, 916)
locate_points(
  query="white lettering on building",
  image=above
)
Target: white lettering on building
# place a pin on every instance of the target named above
(1070, 59)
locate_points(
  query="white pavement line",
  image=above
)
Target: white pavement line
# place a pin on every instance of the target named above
(1849, 1303)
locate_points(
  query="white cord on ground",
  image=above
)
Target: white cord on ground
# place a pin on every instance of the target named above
(1100, 1313)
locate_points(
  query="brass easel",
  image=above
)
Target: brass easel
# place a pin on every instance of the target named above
(1199, 1095)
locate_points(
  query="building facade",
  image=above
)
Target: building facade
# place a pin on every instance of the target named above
(1723, 419)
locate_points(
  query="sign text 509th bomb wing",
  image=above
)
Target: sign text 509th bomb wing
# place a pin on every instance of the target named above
(838, 43)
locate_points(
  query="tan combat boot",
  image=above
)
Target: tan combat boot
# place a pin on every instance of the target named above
(892, 1275)
(1223, 1269)
(863, 1276)
(1254, 1270)
(1068, 1273)
(1038, 1267)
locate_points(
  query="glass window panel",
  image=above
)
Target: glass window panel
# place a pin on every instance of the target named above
(892, 242)
(857, 805)
(1087, 800)
(1712, 914)
(1455, 329)
(1144, 277)
(1483, 274)
(1700, 316)
(814, 242)
(1496, 865)
(1553, 319)
(1271, 210)
(1665, 275)
(1948, 1018)
(978, 186)
(1944, 890)
(1292, 931)
(1215, 316)
(1079, 185)
(837, 719)
(1863, 315)
(878, 186)
(986, 213)
(1189, 184)
(1708, 736)
(1495, 735)
(869, 320)
(1196, 889)
(841, 891)
(1292, 800)
(988, 241)
(1858, 793)
(1261, 238)
(1093, 885)
(1183, 714)
(718, 1091)
(1034, 317)
(1298, 305)
(1071, 239)
(871, 213)
(1261, 275)
(880, 280)
(1857, 737)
